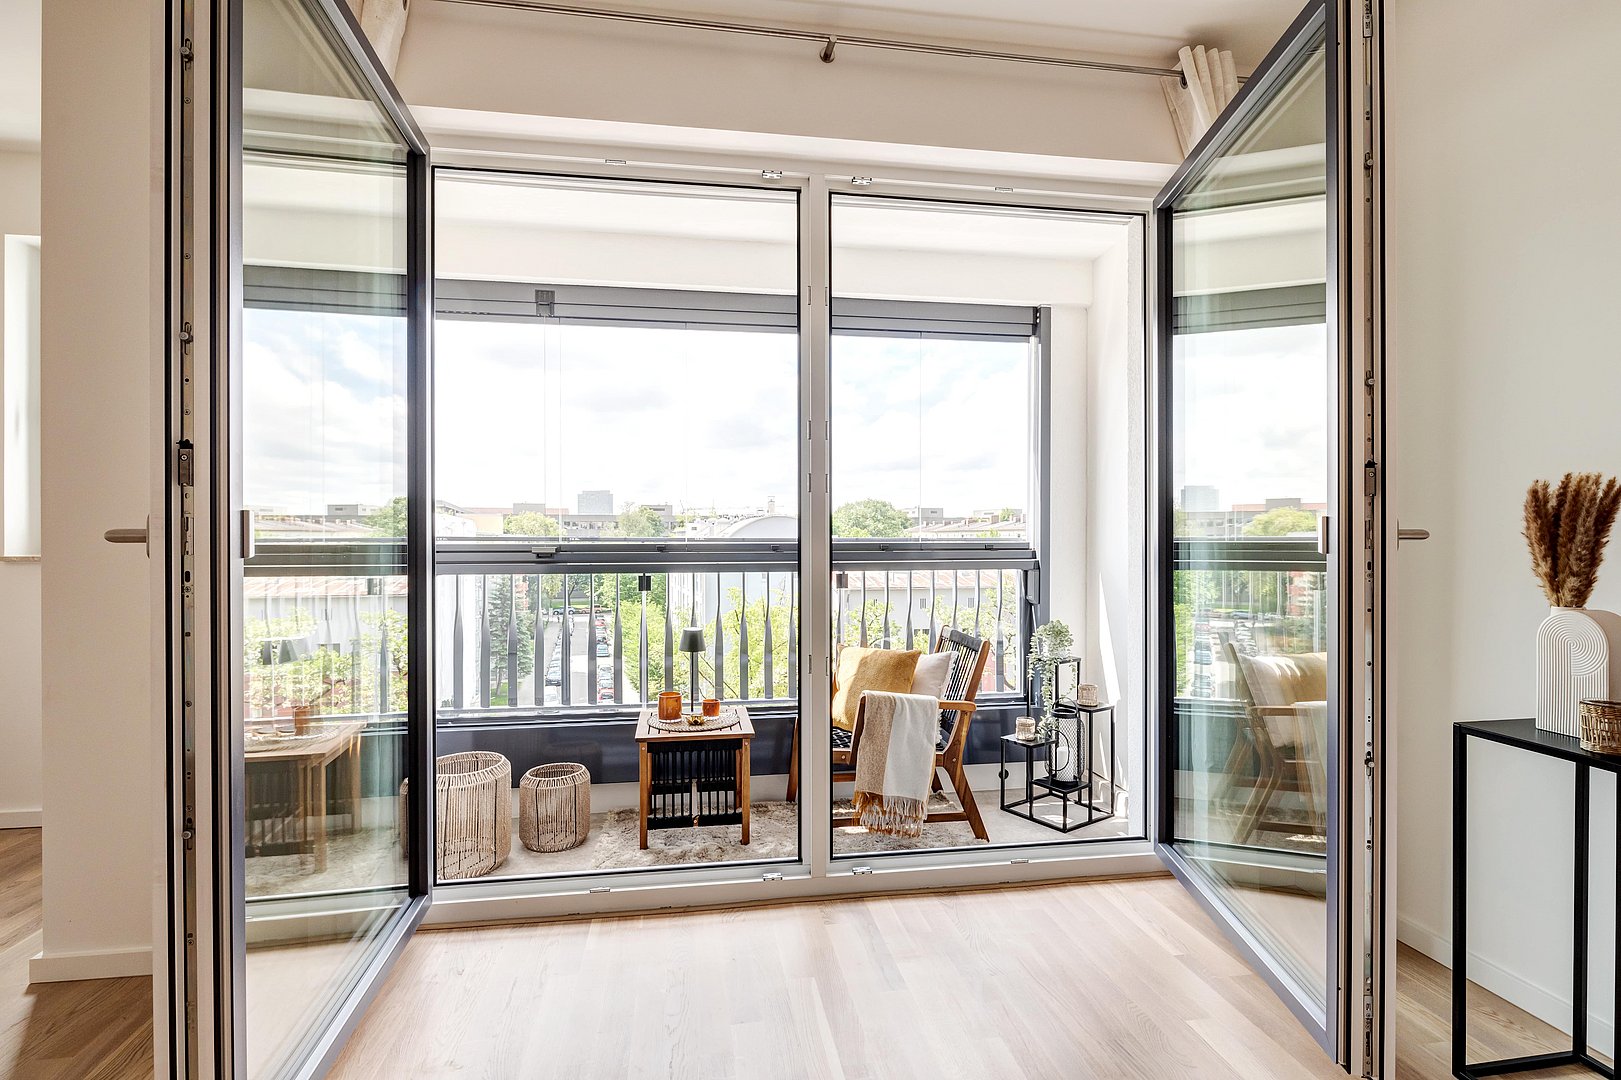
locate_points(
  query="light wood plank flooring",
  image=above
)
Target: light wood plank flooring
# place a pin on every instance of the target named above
(1110, 979)
(96, 1030)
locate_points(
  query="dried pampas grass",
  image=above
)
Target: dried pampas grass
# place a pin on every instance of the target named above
(1566, 529)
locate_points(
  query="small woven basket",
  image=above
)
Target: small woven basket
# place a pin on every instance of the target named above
(1601, 726)
(554, 807)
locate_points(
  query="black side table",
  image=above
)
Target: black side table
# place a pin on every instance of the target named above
(1523, 735)
(1082, 791)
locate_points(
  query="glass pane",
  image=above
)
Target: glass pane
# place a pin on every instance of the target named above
(323, 464)
(665, 318)
(956, 327)
(1251, 397)
(617, 365)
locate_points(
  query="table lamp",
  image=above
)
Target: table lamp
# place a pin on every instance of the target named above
(692, 643)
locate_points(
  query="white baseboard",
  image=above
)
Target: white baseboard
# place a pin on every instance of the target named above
(20, 819)
(99, 964)
(1550, 1006)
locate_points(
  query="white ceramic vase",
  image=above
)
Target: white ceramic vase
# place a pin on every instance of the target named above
(1578, 656)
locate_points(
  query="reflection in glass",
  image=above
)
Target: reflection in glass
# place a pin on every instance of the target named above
(324, 677)
(1250, 445)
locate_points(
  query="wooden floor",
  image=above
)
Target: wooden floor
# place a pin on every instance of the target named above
(1111, 979)
(99, 1030)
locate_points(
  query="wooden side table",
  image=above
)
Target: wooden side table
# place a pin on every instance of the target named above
(694, 778)
(309, 760)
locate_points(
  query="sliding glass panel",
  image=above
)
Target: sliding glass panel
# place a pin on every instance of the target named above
(323, 602)
(617, 423)
(1252, 658)
(968, 342)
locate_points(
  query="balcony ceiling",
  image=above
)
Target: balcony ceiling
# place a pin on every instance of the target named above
(1150, 32)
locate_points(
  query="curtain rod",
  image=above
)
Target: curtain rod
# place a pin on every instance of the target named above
(829, 42)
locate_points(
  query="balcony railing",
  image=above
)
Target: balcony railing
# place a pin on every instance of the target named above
(535, 630)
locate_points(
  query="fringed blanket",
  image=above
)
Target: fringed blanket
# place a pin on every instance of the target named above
(894, 761)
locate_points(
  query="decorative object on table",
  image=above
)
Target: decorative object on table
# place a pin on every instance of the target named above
(1052, 644)
(692, 643)
(554, 806)
(472, 813)
(691, 778)
(1601, 726)
(1087, 694)
(670, 705)
(1066, 761)
(1089, 790)
(1024, 728)
(1578, 648)
(711, 707)
(696, 722)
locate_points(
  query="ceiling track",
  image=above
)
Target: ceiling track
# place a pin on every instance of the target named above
(827, 41)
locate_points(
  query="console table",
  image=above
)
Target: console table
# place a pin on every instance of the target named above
(1523, 735)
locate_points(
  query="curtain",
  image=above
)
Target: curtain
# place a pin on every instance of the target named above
(1211, 84)
(384, 24)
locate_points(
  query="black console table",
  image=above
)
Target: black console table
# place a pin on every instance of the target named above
(1523, 735)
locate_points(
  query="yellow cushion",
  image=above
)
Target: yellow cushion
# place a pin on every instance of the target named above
(861, 670)
(1284, 680)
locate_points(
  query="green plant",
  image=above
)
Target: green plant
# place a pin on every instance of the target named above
(1049, 644)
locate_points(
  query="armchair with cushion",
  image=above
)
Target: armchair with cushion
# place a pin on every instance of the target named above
(951, 673)
(1285, 701)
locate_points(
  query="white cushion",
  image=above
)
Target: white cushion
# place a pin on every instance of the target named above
(933, 674)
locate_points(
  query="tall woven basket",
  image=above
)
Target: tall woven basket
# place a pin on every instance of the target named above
(554, 806)
(472, 811)
(1601, 726)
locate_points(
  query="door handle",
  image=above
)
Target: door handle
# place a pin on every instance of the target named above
(130, 536)
(1403, 535)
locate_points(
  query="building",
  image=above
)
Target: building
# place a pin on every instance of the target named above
(595, 504)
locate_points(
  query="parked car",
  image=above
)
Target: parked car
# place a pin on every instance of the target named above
(1202, 654)
(1202, 685)
(605, 694)
(602, 647)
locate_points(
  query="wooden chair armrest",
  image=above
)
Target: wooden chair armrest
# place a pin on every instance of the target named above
(957, 706)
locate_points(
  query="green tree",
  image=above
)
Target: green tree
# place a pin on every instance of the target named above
(531, 523)
(1282, 522)
(391, 519)
(639, 521)
(870, 517)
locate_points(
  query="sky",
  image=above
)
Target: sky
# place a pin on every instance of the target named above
(536, 413)
(1251, 413)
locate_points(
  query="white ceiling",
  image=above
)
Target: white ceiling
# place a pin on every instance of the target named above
(19, 74)
(1147, 30)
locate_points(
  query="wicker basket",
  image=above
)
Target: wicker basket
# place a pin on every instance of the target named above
(1601, 726)
(554, 806)
(472, 813)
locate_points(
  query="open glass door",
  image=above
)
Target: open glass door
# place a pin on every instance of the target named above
(322, 554)
(1252, 653)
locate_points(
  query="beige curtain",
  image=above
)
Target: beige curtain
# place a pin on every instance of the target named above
(1211, 84)
(384, 24)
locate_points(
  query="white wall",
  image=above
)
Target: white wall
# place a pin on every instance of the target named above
(528, 63)
(102, 310)
(19, 579)
(1506, 226)
(1116, 522)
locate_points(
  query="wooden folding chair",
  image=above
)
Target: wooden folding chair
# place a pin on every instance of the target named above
(956, 714)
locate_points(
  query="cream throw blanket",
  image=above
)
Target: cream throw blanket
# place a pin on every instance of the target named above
(895, 760)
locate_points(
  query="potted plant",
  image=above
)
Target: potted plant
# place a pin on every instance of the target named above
(1566, 529)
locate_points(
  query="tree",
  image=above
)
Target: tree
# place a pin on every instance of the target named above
(391, 519)
(870, 517)
(639, 521)
(531, 523)
(1283, 521)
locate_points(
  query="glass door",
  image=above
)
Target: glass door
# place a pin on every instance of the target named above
(1250, 646)
(324, 559)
